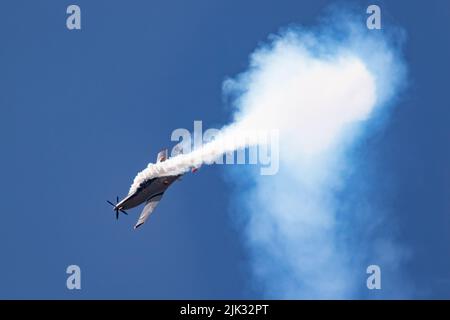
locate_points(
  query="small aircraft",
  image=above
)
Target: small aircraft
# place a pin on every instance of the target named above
(149, 191)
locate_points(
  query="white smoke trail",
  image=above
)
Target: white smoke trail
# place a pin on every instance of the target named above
(228, 140)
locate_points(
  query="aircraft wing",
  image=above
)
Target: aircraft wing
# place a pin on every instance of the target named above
(150, 205)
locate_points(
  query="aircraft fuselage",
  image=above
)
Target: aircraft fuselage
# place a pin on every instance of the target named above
(146, 191)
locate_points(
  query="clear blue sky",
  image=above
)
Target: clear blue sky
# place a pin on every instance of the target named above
(84, 111)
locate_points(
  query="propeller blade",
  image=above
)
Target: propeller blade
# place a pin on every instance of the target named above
(117, 209)
(111, 203)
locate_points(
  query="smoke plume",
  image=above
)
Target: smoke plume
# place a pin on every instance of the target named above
(305, 227)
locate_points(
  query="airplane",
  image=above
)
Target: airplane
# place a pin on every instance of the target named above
(149, 191)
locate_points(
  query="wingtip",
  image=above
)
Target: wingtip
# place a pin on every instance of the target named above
(137, 226)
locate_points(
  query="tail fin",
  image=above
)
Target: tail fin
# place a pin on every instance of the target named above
(162, 156)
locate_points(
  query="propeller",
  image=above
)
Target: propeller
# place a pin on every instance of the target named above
(117, 209)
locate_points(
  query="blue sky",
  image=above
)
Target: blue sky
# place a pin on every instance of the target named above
(84, 111)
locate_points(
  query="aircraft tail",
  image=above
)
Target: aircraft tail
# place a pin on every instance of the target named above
(162, 156)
